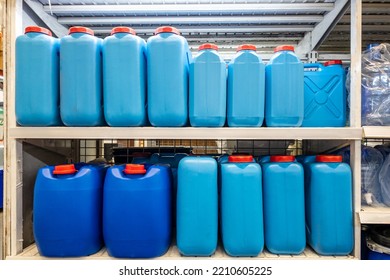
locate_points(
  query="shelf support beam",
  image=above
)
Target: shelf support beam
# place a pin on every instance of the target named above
(51, 21)
(313, 39)
(13, 203)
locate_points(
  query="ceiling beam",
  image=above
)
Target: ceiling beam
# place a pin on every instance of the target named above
(163, 9)
(313, 39)
(50, 21)
(196, 20)
(221, 29)
(366, 28)
(368, 19)
(375, 8)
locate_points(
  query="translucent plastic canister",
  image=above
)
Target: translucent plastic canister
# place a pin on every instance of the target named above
(207, 96)
(197, 206)
(81, 78)
(241, 206)
(168, 59)
(284, 205)
(246, 88)
(284, 95)
(37, 78)
(329, 210)
(124, 78)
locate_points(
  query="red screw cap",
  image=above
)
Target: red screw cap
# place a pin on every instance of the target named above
(240, 158)
(64, 169)
(246, 47)
(208, 46)
(282, 159)
(333, 62)
(132, 169)
(168, 29)
(284, 48)
(122, 29)
(38, 29)
(81, 29)
(329, 158)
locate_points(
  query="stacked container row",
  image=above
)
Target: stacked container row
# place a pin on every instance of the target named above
(129, 207)
(123, 81)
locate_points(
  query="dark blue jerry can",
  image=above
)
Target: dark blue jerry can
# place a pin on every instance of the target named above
(67, 210)
(137, 211)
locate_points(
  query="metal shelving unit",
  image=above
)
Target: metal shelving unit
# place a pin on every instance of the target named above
(347, 133)
(303, 23)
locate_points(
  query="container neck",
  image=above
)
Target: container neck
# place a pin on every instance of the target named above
(64, 176)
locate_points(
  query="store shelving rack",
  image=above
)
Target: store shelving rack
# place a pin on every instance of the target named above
(14, 135)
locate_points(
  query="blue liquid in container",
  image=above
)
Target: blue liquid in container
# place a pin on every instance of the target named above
(124, 78)
(284, 104)
(284, 210)
(242, 207)
(81, 78)
(246, 88)
(329, 213)
(168, 59)
(67, 210)
(37, 78)
(325, 95)
(197, 206)
(137, 211)
(207, 96)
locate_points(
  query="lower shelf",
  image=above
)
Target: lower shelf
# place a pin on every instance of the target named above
(31, 253)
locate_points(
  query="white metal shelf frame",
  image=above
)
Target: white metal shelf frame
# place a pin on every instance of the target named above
(347, 133)
(31, 253)
(374, 215)
(13, 230)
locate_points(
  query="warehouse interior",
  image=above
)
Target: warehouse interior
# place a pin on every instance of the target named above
(320, 30)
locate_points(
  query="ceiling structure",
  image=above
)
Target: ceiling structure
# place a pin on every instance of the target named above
(322, 26)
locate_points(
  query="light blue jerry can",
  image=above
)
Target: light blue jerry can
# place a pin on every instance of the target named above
(284, 205)
(197, 206)
(246, 88)
(329, 210)
(325, 95)
(241, 207)
(37, 96)
(124, 78)
(284, 95)
(168, 58)
(207, 96)
(81, 95)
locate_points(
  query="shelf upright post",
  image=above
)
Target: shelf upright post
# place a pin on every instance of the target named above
(355, 114)
(13, 221)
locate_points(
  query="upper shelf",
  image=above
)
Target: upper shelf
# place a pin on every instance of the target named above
(345, 133)
(376, 131)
